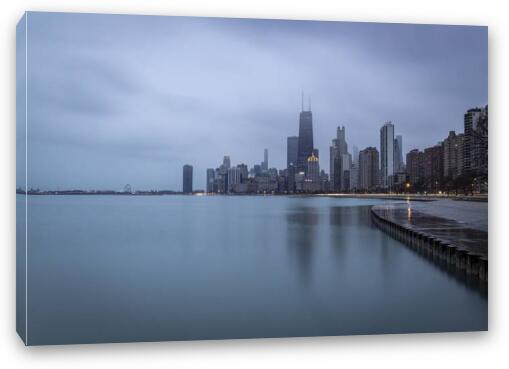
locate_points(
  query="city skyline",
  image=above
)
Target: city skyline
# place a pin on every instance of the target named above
(458, 162)
(135, 119)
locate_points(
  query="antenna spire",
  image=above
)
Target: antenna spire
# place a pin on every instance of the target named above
(309, 103)
(302, 101)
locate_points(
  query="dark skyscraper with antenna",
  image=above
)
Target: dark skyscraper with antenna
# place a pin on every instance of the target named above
(305, 148)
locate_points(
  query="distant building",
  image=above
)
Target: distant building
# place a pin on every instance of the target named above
(265, 163)
(282, 183)
(257, 170)
(368, 169)
(291, 178)
(292, 149)
(354, 175)
(187, 179)
(336, 168)
(355, 151)
(453, 155)
(299, 181)
(226, 162)
(386, 154)
(399, 181)
(415, 167)
(339, 164)
(313, 169)
(305, 145)
(233, 178)
(346, 166)
(211, 178)
(324, 181)
(272, 173)
(398, 154)
(244, 173)
(476, 141)
(433, 167)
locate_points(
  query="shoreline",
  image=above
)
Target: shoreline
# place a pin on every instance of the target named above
(444, 241)
(380, 196)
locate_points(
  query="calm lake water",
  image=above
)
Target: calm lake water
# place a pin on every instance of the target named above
(115, 268)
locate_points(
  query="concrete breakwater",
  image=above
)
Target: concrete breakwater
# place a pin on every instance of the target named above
(445, 241)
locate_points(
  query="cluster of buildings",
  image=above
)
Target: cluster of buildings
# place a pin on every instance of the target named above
(460, 161)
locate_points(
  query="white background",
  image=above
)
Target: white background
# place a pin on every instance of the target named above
(465, 350)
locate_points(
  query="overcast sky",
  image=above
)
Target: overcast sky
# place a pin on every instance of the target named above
(119, 99)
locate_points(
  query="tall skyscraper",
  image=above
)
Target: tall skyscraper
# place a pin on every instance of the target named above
(265, 164)
(292, 149)
(415, 166)
(187, 179)
(226, 162)
(305, 147)
(211, 177)
(336, 167)
(368, 169)
(312, 181)
(355, 158)
(354, 176)
(346, 166)
(313, 169)
(453, 155)
(386, 154)
(398, 154)
(340, 160)
(476, 141)
(291, 177)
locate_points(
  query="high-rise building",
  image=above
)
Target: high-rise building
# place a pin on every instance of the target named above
(368, 169)
(453, 155)
(211, 178)
(257, 170)
(386, 154)
(354, 176)
(292, 149)
(355, 150)
(415, 166)
(336, 168)
(265, 164)
(338, 162)
(398, 154)
(233, 178)
(476, 141)
(313, 168)
(305, 145)
(291, 177)
(346, 166)
(471, 119)
(244, 173)
(226, 162)
(433, 167)
(300, 178)
(324, 181)
(187, 179)
(312, 180)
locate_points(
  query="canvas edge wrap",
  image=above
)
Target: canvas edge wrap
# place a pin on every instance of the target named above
(22, 174)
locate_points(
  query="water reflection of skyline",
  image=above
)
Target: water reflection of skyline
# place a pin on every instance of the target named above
(301, 238)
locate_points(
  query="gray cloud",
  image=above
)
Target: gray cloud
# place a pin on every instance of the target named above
(130, 99)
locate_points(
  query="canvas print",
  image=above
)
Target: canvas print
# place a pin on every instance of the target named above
(191, 178)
